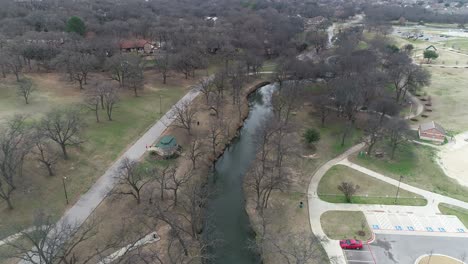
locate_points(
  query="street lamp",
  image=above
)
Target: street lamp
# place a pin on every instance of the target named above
(65, 188)
(160, 105)
(398, 189)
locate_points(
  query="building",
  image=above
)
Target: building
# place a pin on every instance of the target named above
(139, 45)
(167, 147)
(432, 131)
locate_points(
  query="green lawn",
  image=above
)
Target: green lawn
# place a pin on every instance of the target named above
(461, 213)
(104, 142)
(335, 131)
(371, 191)
(416, 163)
(345, 224)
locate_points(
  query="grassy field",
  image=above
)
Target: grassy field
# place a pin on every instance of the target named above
(335, 227)
(447, 88)
(416, 163)
(449, 95)
(461, 213)
(104, 142)
(371, 191)
(335, 130)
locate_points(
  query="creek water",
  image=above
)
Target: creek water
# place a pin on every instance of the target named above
(226, 209)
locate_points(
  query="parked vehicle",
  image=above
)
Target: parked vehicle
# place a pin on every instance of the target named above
(351, 244)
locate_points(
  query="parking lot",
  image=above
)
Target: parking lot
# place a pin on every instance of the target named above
(405, 249)
(401, 223)
(359, 256)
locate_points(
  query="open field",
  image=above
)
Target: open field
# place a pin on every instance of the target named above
(448, 84)
(449, 96)
(371, 191)
(417, 165)
(461, 213)
(345, 224)
(104, 142)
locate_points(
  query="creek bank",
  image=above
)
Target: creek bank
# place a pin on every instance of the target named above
(226, 208)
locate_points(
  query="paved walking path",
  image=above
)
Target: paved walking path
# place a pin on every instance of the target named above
(317, 207)
(88, 202)
(79, 212)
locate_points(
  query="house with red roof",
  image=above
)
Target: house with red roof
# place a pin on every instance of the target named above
(137, 45)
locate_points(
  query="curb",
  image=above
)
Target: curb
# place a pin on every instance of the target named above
(425, 255)
(372, 239)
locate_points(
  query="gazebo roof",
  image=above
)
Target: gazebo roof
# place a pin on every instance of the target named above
(167, 142)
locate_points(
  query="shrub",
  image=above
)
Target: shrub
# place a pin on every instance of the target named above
(311, 135)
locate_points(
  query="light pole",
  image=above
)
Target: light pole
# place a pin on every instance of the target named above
(398, 189)
(65, 188)
(160, 105)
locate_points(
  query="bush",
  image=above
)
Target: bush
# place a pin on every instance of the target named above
(311, 135)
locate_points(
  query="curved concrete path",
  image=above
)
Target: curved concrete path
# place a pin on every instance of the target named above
(317, 207)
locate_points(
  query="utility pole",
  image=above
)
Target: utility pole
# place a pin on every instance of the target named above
(398, 189)
(160, 105)
(65, 188)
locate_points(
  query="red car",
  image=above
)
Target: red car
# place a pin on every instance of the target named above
(351, 244)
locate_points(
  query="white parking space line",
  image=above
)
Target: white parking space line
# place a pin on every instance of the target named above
(407, 223)
(416, 223)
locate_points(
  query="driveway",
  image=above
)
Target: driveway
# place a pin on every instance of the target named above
(404, 249)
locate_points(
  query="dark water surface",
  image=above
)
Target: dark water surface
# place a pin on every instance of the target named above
(226, 209)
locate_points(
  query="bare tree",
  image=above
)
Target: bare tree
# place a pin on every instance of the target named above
(206, 88)
(49, 242)
(193, 203)
(45, 154)
(14, 64)
(195, 151)
(122, 66)
(25, 88)
(374, 133)
(215, 135)
(175, 182)
(323, 104)
(348, 189)
(14, 146)
(111, 98)
(164, 65)
(396, 131)
(92, 101)
(184, 116)
(131, 179)
(62, 127)
(405, 75)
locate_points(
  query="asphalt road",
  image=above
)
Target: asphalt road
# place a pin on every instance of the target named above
(405, 249)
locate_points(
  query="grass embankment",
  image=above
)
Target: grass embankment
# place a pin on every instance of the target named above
(417, 165)
(104, 142)
(461, 213)
(371, 191)
(345, 224)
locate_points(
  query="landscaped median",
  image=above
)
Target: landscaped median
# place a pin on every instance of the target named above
(371, 191)
(345, 224)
